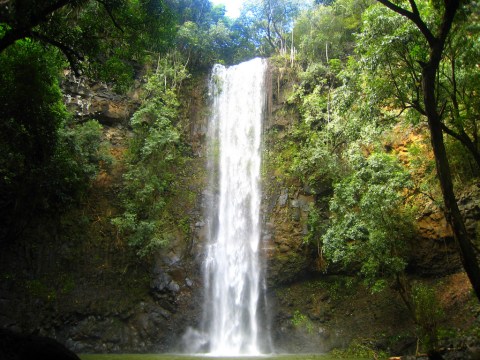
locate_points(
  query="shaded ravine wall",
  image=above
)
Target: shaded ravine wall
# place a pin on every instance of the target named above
(75, 278)
(78, 281)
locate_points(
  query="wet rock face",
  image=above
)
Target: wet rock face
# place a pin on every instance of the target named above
(469, 205)
(87, 99)
(108, 318)
(288, 258)
(435, 252)
(155, 323)
(286, 203)
(83, 285)
(149, 326)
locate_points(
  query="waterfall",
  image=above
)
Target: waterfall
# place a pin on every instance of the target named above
(234, 285)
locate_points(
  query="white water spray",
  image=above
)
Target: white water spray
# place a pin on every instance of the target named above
(233, 273)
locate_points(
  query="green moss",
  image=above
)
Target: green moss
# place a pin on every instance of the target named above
(301, 321)
(38, 289)
(68, 284)
(360, 348)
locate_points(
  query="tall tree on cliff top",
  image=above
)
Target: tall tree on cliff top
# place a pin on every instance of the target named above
(436, 36)
(271, 22)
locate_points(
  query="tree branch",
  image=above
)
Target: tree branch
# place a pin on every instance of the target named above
(464, 139)
(451, 132)
(11, 36)
(21, 32)
(110, 14)
(413, 16)
(397, 88)
(72, 56)
(43, 14)
(413, 4)
(451, 7)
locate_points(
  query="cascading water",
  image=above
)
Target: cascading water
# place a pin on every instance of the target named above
(233, 274)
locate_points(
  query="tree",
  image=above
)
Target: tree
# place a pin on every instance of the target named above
(436, 35)
(393, 50)
(327, 32)
(45, 164)
(206, 36)
(370, 225)
(271, 21)
(89, 29)
(458, 76)
(28, 19)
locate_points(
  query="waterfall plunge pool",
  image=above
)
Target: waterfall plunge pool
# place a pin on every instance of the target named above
(199, 357)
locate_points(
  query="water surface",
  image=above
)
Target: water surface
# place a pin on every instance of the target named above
(190, 357)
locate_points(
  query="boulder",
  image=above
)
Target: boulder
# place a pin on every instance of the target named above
(15, 346)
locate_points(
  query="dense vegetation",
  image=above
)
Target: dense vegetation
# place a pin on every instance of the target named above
(364, 73)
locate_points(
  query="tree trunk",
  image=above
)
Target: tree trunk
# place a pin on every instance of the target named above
(467, 253)
(429, 73)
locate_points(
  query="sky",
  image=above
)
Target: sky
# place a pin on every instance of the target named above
(232, 6)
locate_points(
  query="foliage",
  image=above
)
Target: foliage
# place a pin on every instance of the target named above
(363, 65)
(32, 108)
(370, 225)
(81, 155)
(327, 32)
(360, 348)
(91, 32)
(316, 162)
(339, 287)
(206, 36)
(316, 225)
(203, 47)
(391, 53)
(390, 50)
(428, 314)
(301, 321)
(44, 165)
(134, 32)
(462, 163)
(156, 156)
(269, 24)
(436, 34)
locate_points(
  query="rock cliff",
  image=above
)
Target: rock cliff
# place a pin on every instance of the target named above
(77, 281)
